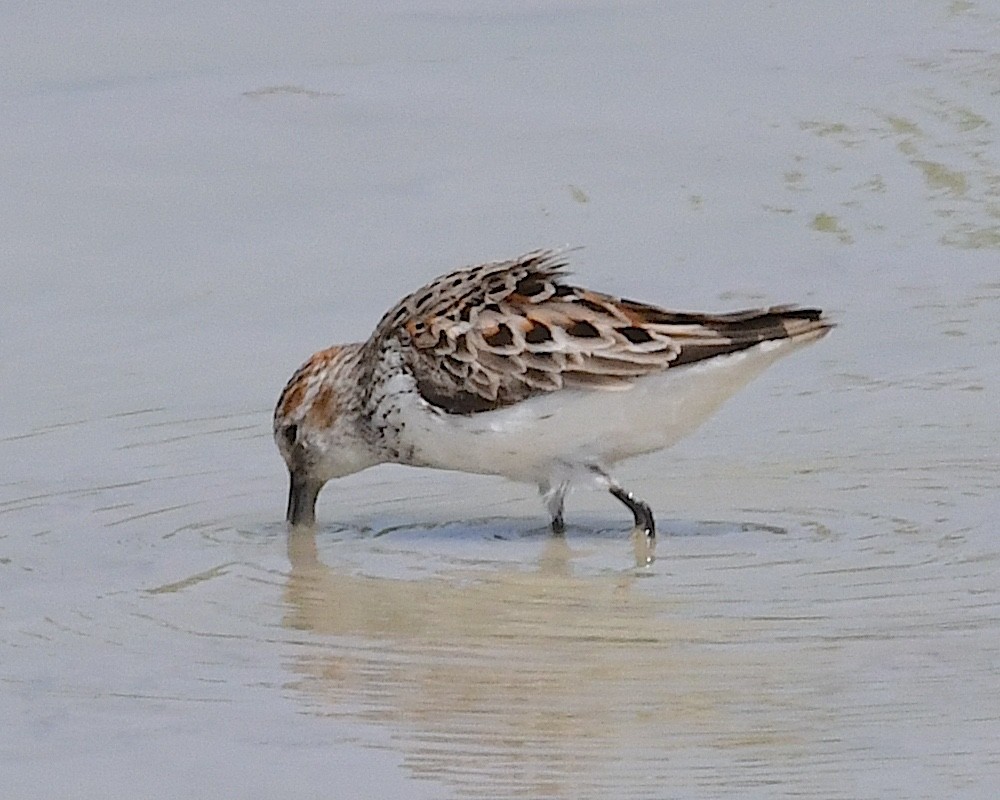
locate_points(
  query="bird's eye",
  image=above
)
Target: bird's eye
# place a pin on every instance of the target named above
(290, 432)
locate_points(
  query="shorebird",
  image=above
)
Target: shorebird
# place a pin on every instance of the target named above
(508, 369)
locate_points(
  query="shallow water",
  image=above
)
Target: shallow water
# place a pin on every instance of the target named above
(189, 216)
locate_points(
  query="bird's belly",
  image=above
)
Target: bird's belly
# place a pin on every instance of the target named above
(532, 439)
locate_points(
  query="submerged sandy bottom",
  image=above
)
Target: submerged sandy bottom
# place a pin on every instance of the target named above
(190, 215)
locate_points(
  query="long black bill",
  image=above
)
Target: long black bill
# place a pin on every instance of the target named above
(302, 494)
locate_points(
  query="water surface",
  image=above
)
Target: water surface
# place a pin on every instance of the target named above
(190, 214)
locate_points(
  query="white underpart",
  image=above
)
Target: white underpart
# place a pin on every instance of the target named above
(561, 436)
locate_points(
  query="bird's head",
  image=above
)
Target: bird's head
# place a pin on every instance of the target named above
(315, 428)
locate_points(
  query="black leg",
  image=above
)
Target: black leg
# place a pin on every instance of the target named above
(553, 497)
(643, 513)
(558, 523)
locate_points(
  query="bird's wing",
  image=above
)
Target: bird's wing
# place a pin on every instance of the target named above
(490, 336)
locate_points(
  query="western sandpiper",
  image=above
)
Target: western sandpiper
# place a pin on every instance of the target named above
(508, 369)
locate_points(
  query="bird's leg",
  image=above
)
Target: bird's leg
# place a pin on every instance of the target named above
(553, 497)
(641, 511)
(558, 523)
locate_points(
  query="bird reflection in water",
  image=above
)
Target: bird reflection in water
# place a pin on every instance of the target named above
(528, 680)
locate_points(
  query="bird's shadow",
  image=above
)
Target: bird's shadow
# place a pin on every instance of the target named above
(508, 528)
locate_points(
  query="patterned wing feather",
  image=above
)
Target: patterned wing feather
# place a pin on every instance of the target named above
(490, 336)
